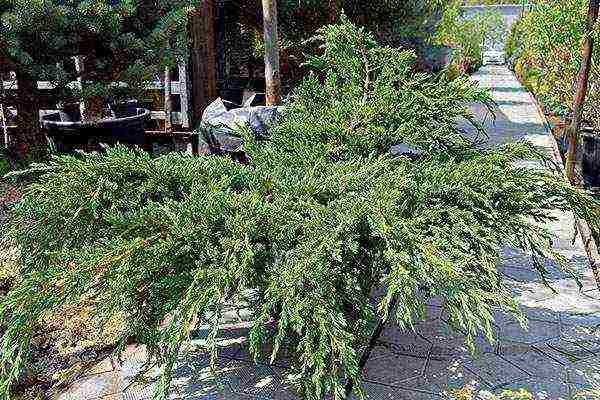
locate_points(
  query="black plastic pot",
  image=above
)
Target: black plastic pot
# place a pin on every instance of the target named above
(125, 109)
(67, 135)
(590, 157)
(72, 111)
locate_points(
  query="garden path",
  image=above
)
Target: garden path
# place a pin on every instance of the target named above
(551, 359)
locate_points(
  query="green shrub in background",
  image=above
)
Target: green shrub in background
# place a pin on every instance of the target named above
(545, 50)
(491, 2)
(467, 36)
(301, 239)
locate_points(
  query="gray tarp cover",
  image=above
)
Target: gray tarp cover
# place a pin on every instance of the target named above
(219, 124)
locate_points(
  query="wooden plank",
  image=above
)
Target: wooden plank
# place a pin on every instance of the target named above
(176, 116)
(175, 86)
(160, 115)
(47, 85)
(168, 101)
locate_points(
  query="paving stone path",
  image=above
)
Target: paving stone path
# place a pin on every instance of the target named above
(555, 358)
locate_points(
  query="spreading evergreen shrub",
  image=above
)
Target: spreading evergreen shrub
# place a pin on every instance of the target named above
(324, 217)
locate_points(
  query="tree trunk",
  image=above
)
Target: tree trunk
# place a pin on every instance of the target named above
(582, 87)
(272, 77)
(28, 143)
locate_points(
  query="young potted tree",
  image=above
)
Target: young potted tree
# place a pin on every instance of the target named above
(118, 46)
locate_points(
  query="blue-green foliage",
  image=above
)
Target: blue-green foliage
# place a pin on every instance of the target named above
(323, 218)
(127, 41)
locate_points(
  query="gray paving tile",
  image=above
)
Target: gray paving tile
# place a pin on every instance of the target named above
(589, 320)
(541, 389)
(565, 352)
(541, 314)
(398, 341)
(536, 363)
(375, 391)
(536, 332)
(257, 380)
(437, 331)
(92, 387)
(494, 370)
(585, 374)
(508, 253)
(393, 369)
(519, 274)
(580, 334)
(283, 359)
(442, 378)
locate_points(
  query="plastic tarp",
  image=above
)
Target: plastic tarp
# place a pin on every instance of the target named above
(221, 120)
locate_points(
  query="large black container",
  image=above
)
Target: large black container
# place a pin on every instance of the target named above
(590, 156)
(67, 134)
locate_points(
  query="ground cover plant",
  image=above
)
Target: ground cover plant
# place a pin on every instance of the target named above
(302, 237)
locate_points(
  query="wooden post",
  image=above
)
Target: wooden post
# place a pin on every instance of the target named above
(79, 68)
(168, 105)
(582, 87)
(2, 115)
(273, 80)
(184, 95)
(203, 68)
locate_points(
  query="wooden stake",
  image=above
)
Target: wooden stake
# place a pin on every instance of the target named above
(272, 77)
(582, 87)
(79, 68)
(168, 106)
(333, 10)
(2, 115)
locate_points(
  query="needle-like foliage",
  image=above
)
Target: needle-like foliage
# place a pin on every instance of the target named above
(324, 217)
